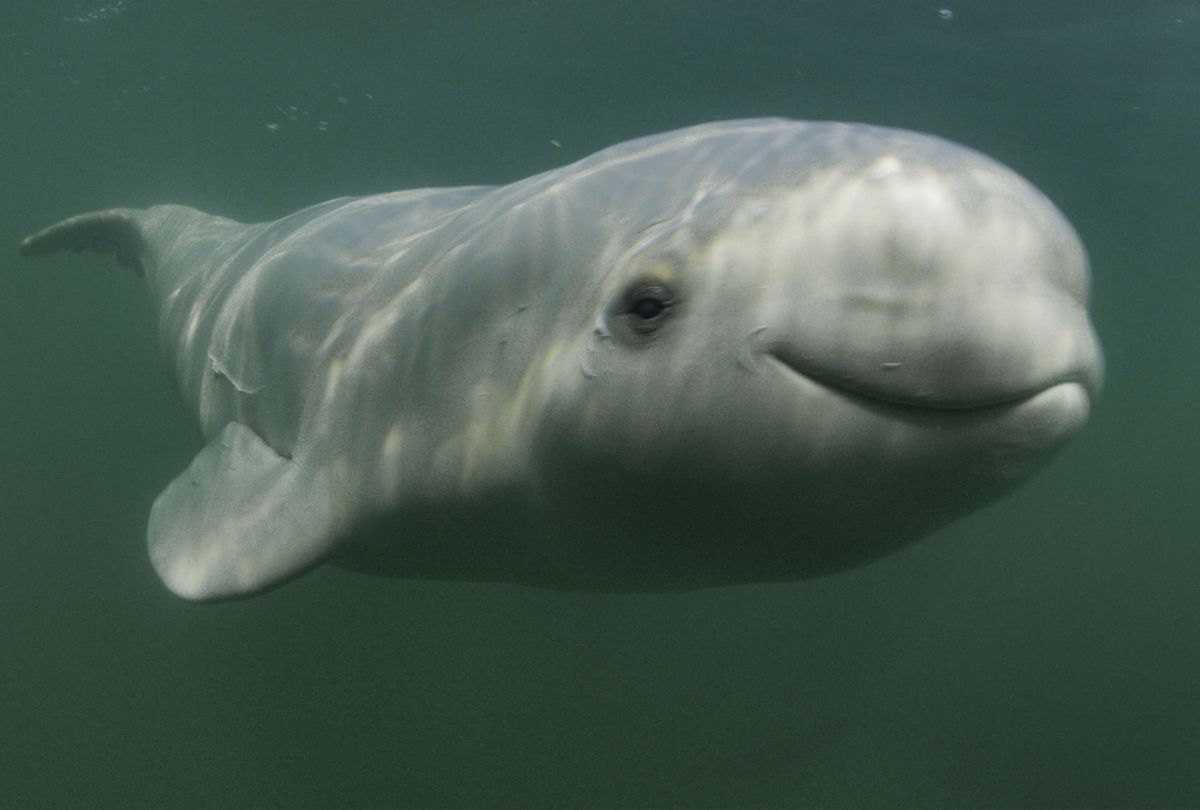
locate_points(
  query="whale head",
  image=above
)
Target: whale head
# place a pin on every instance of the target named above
(839, 339)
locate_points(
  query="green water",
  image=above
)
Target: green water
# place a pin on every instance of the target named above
(1043, 652)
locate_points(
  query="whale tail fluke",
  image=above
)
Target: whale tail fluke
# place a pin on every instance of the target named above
(116, 230)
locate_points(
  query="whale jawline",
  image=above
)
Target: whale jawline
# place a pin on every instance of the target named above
(917, 403)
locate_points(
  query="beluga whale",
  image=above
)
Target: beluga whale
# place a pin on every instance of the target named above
(746, 351)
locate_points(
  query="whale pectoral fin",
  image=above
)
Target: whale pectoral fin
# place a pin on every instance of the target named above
(117, 230)
(241, 519)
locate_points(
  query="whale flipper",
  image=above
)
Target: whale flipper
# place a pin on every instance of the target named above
(240, 519)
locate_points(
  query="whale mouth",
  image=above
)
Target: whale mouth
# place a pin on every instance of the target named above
(866, 393)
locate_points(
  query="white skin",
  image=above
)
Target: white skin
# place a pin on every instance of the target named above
(746, 351)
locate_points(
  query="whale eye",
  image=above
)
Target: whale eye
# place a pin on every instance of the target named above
(647, 309)
(645, 306)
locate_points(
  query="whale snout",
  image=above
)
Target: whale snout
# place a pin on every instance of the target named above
(937, 282)
(959, 355)
(949, 392)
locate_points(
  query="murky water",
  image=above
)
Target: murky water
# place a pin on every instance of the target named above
(1042, 652)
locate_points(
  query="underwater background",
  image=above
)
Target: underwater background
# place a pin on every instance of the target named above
(1042, 652)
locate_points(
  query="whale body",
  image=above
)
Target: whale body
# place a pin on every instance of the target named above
(746, 351)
